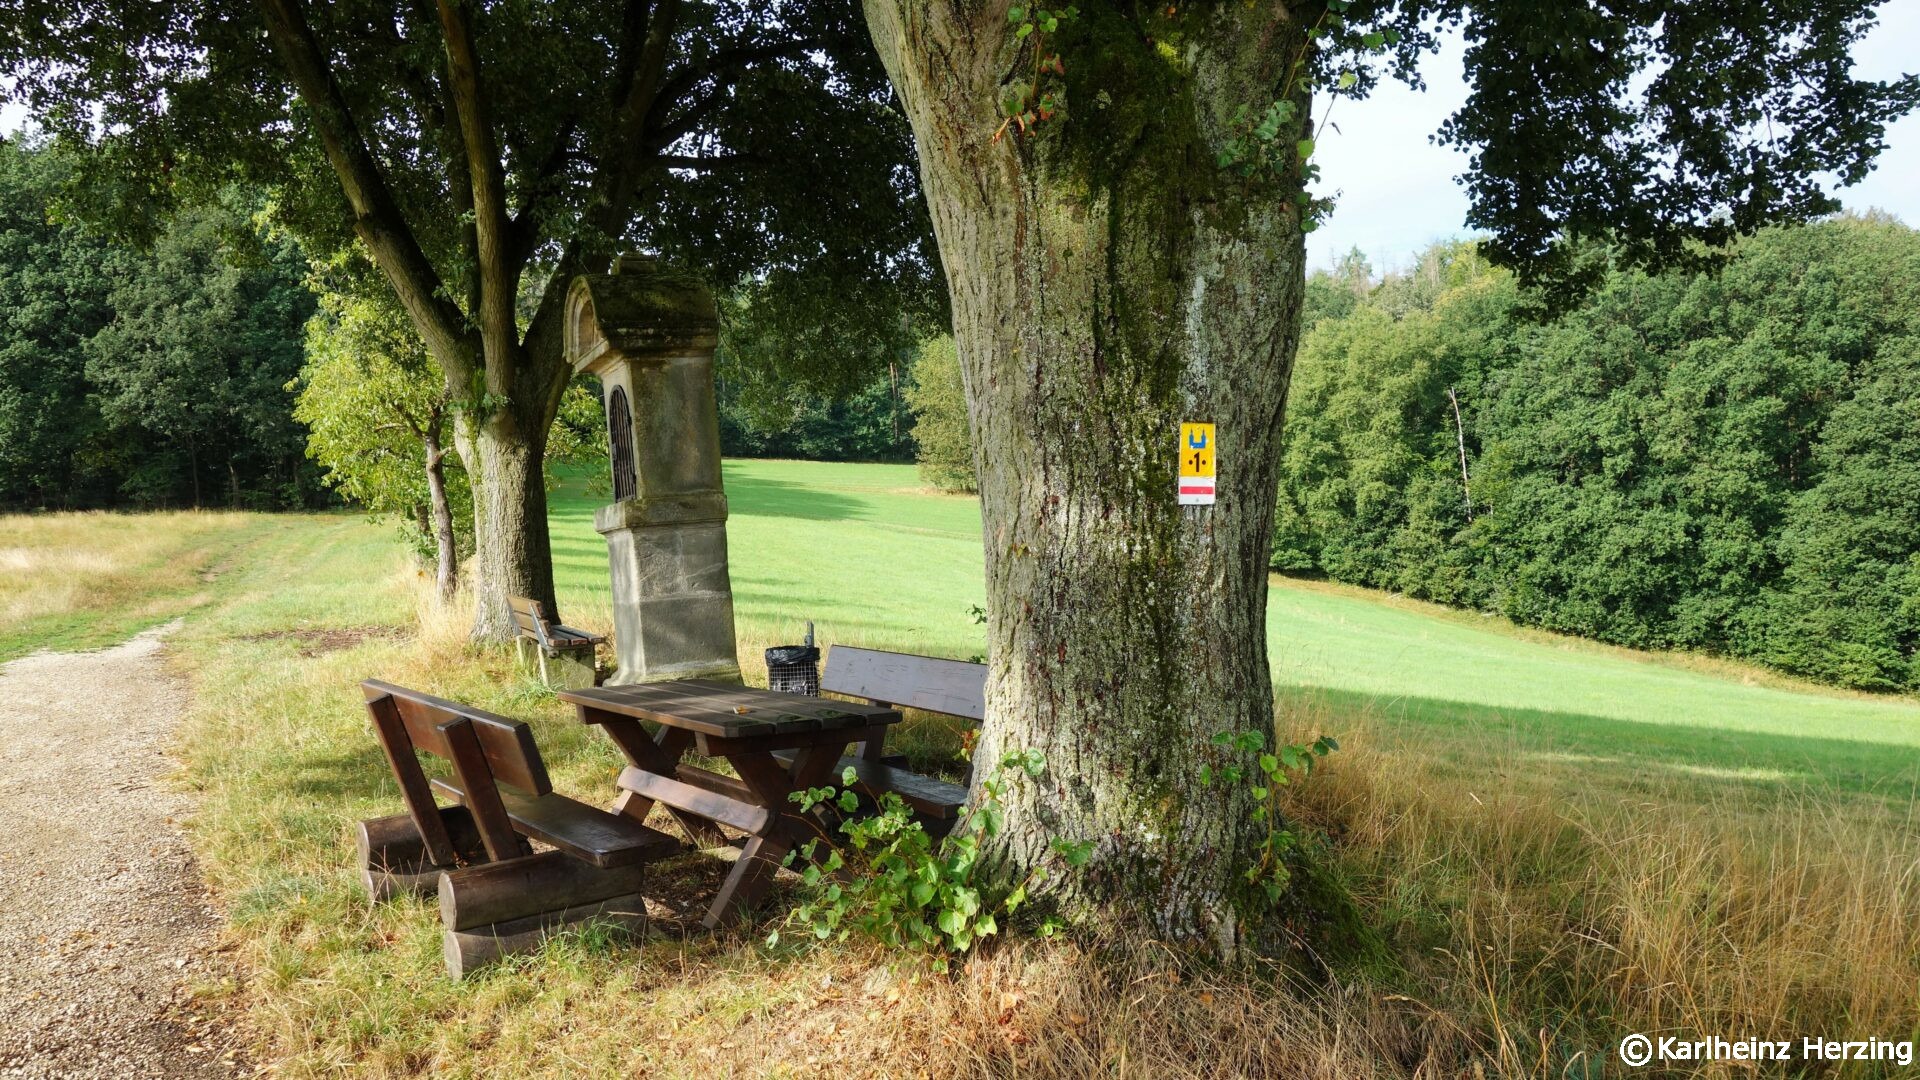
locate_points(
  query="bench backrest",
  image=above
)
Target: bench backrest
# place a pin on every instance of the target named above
(530, 618)
(950, 687)
(485, 749)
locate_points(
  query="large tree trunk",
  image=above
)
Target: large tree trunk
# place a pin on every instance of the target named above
(511, 552)
(1110, 281)
(504, 453)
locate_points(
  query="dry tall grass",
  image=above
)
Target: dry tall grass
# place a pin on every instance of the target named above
(74, 565)
(1543, 917)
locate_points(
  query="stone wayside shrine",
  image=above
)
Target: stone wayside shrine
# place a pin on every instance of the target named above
(649, 333)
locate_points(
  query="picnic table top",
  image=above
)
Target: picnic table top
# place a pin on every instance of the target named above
(727, 710)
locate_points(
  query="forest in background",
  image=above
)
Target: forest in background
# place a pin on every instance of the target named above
(165, 373)
(147, 376)
(1724, 461)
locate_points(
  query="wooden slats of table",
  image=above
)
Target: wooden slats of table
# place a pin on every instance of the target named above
(727, 711)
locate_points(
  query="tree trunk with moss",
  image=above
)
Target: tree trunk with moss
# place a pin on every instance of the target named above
(1110, 280)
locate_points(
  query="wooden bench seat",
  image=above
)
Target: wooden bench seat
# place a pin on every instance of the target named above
(531, 621)
(496, 896)
(903, 680)
(585, 832)
(563, 655)
(928, 683)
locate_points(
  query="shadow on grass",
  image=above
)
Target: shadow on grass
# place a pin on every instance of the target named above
(1601, 754)
(355, 774)
(1748, 761)
(747, 496)
(759, 496)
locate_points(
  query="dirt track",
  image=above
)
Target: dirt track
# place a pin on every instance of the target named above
(105, 925)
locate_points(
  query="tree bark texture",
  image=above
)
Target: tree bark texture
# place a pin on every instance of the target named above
(1109, 281)
(447, 562)
(512, 555)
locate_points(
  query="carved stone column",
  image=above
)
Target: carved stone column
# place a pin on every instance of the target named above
(649, 334)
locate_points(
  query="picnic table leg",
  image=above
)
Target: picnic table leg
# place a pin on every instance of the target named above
(771, 785)
(659, 754)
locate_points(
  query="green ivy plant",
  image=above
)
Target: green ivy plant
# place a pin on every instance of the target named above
(1271, 772)
(894, 883)
(1028, 104)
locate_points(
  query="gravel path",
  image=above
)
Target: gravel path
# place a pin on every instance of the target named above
(105, 925)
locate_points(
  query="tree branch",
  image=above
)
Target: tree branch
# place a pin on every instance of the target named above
(378, 220)
(613, 187)
(526, 232)
(728, 65)
(499, 274)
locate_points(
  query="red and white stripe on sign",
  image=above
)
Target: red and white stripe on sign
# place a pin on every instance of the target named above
(1196, 490)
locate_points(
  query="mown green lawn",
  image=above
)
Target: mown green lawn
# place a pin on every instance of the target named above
(863, 550)
(874, 559)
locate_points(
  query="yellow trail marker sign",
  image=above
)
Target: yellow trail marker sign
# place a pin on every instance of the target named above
(1196, 464)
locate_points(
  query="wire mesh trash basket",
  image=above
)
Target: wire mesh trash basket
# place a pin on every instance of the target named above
(795, 669)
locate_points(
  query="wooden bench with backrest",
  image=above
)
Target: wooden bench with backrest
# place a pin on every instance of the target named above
(563, 654)
(496, 897)
(903, 680)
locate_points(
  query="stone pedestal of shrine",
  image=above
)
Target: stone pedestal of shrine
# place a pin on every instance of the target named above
(649, 334)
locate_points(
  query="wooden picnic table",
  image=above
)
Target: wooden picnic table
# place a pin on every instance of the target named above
(747, 727)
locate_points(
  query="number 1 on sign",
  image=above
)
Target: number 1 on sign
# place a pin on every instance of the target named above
(1197, 454)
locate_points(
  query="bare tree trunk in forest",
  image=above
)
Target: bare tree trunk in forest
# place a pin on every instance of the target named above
(1460, 433)
(1110, 281)
(447, 562)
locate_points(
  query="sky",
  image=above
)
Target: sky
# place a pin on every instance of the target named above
(1397, 189)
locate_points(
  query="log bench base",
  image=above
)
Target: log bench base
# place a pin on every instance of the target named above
(492, 910)
(466, 951)
(393, 857)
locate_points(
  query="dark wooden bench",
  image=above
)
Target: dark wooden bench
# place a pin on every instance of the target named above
(563, 655)
(496, 896)
(903, 680)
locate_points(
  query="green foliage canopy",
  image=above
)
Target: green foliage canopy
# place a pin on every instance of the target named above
(1716, 461)
(482, 152)
(372, 403)
(1657, 126)
(54, 289)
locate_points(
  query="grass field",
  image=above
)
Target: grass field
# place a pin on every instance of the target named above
(863, 550)
(1554, 843)
(876, 560)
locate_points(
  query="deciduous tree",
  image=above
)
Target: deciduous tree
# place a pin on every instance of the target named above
(377, 416)
(1120, 193)
(206, 331)
(945, 446)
